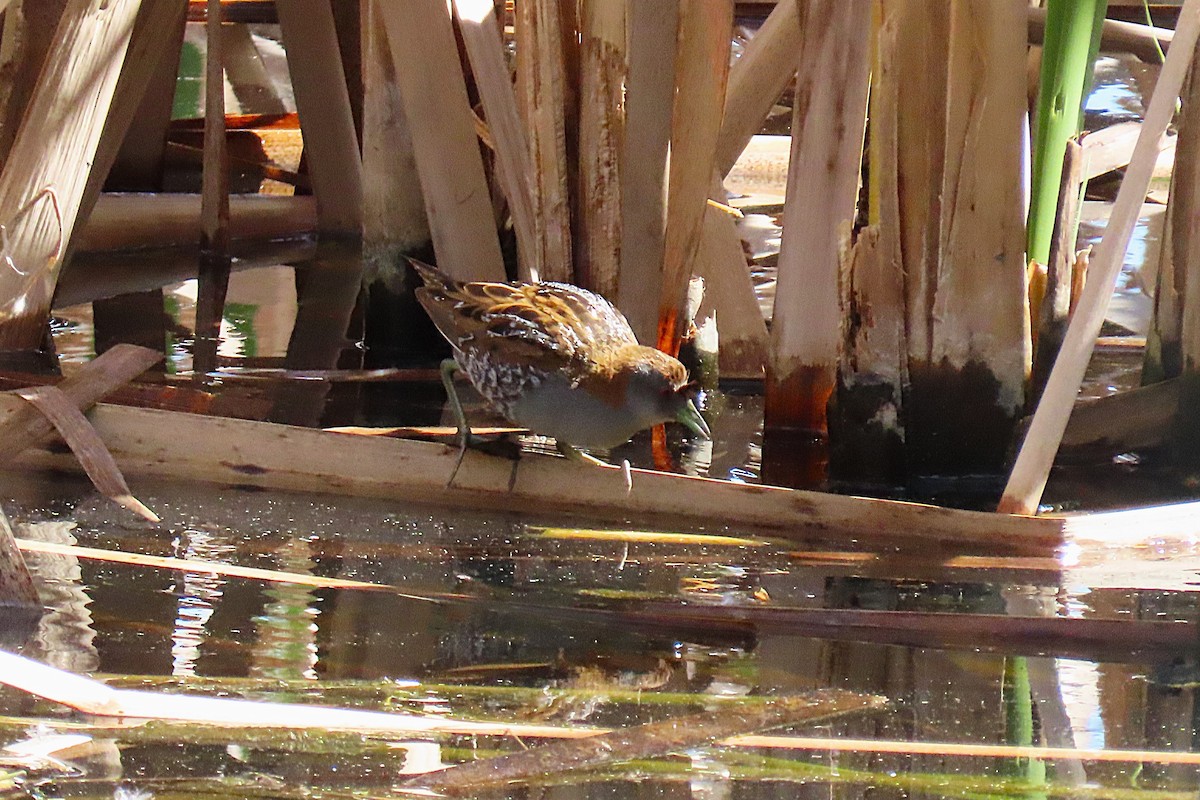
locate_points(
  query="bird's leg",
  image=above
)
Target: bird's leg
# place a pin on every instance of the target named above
(505, 446)
(463, 437)
(575, 454)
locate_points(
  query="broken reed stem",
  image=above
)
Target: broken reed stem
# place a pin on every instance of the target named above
(1164, 357)
(729, 292)
(151, 61)
(394, 220)
(1079, 271)
(16, 584)
(485, 49)
(224, 450)
(213, 283)
(650, 88)
(214, 210)
(1032, 468)
(701, 71)
(1184, 439)
(331, 146)
(87, 446)
(54, 149)
(26, 427)
(1054, 313)
(828, 122)
(967, 389)
(652, 739)
(866, 425)
(602, 79)
(542, 93)
(201, 567)
(420, 36)
(60, 407)
(756, 80)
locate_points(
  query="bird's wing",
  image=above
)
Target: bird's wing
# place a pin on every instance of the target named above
(592, 316)
(553, 326)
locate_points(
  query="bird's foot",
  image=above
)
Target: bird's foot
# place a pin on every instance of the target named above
(503, 446)
(577, 455)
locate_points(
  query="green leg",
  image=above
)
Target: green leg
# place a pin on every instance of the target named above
(576, 454)
(449, 367)
(463, 437)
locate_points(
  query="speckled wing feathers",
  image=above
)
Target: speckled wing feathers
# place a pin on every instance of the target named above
(549, 326)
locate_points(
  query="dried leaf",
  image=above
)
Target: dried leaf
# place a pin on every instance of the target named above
(87, 446)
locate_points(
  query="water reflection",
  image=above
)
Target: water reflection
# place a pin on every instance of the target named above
(199, 594)
(65, 637)
(537, 646)
(260, 312)
(285, 646)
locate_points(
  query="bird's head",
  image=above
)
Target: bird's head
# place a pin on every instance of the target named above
(657, 391)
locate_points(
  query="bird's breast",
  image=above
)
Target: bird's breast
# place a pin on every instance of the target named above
(574, 415)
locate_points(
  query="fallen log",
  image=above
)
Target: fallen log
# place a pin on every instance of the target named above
(127, 220)
(1142, 41)
(96, 275)
(171, 445)
(1125, 422)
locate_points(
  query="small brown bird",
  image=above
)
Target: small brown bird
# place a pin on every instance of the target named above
(556, 359)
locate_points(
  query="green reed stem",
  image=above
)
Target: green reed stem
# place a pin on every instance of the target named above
(1069, 52)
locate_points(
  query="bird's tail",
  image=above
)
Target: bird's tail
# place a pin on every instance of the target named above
(432, 276)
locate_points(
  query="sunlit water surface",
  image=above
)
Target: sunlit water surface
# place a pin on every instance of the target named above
(516, 648)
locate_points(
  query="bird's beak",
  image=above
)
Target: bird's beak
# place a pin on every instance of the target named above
(689, 416)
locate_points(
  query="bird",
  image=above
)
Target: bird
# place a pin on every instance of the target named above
(557, 359)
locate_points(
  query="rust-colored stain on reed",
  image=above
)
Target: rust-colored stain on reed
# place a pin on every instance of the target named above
(798, 400)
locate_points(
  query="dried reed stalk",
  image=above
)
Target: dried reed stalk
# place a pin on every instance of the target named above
(46, 173)
(756, 80)
(542, 94)
(1185, 249)
(323, 102)
(967, 378)
(650, 89)
(394, 219)
(457, 198)
(601, 137)
(823, 176)
(701, 70)
(866, 416)
(481, 35)
(261, 454)
(730, 293)
(152, 58)
(213, 274)
(1032, 467)
(1054, 314)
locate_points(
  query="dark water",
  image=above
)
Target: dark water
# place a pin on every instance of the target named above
(517, 649)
